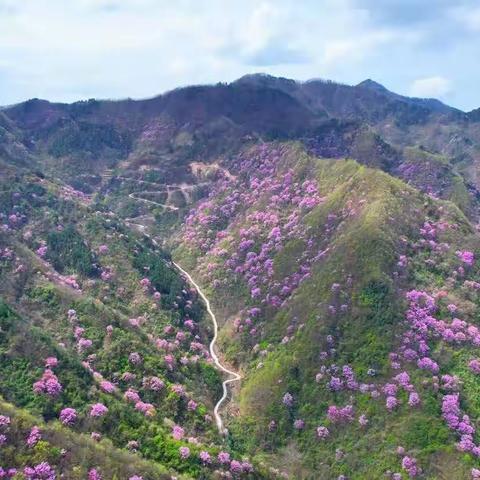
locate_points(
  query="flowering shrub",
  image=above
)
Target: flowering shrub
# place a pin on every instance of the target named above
(177, 432)
(48, 384)
(98, 410)
(409, 464)
(68, 416)
(223, 458)
(340, 414)
(184, 452)
(93, 474)
(42, 471)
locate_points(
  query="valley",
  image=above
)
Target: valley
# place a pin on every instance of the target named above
(257, 280)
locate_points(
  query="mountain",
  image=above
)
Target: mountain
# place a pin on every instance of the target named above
(333, 231)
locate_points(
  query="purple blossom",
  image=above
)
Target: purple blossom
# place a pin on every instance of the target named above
(48, 384)
(322, 432)
(299, 424)
(223, 458)
(363, 420)
(409, 464)
(178, 432)
(107, 387)
(94, 474)
(98, 410)
(34, 437)
(4, 421)
(68, 416)
(205, 457)
(51, 362)
(466, 257)
(288, 400)
(474, 366)
(236, 466)
(184, 452)
(413, 399)
(134, 358)
(427, 363)
(391, 403)
(340, 414)
(42, 471)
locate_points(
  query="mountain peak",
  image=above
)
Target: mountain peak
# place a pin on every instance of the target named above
(373, 85)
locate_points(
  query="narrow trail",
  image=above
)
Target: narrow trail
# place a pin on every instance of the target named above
(236, 376)
(145, 200)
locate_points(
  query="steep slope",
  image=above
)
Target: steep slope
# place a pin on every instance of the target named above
(310, 262)
(99, 332)
(88, 137)
(203, 123)
(346, 289)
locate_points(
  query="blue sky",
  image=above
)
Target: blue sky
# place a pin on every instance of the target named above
(66, 50)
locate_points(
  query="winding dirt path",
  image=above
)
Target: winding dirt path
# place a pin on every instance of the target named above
(145, 200)
(235, 376)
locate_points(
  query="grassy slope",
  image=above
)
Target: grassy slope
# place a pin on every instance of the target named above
(40, 323)
(83, 452)
(366, 246)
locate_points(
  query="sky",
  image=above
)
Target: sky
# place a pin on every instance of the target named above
(68, 50)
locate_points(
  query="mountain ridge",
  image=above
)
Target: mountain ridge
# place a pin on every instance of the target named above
(333, 229)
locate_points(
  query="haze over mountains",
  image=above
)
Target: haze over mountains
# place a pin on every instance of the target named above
(333, 229)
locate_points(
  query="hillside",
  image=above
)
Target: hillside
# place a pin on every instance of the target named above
(311, 263)
(333, 229)
(99, 333)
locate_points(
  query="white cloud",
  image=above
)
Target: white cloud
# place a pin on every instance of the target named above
(430, 87)
(67, 50)
(356, 47)
(467, 17)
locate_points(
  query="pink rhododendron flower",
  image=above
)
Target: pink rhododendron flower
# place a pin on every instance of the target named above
(223, 458)
(134, 358)
(466, 257)
(363, 420)
(42, 471)
(184, 452)
(205, 457)
(322, 432)
(178, 432)
(34, 437)
(48, 384)
(299, 424)
(474, 366)
(98, 410)
(68, 416)
(340, 414)
(93, 474)
(391, 403)
(409, 464)
(288, 399)
(107, 387)
(51, 362)
(146, 408)
(4, 421)
(131, 395)
(102, 249)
